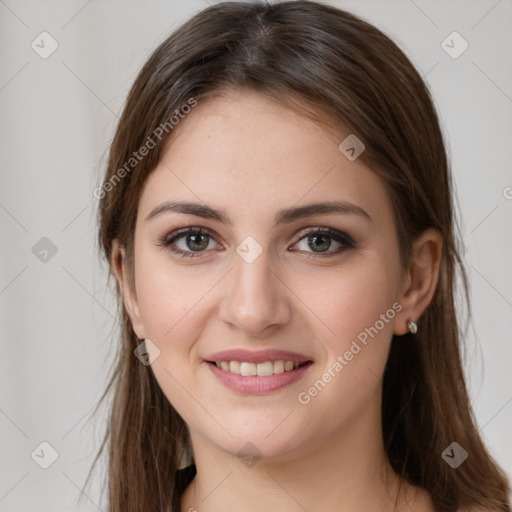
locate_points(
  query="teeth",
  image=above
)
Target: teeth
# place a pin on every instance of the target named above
(278, 366)
(260, 369)
(265, 369)
(234, 367)
(248, 368)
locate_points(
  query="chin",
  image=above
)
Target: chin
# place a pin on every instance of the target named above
(258, 445)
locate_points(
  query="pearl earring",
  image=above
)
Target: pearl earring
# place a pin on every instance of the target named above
(412, 326)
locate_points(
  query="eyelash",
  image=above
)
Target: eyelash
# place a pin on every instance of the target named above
(338, 236)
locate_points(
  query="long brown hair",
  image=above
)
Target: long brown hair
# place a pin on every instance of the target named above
(347, 71)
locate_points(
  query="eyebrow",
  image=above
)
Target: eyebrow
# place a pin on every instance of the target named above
(283, 216)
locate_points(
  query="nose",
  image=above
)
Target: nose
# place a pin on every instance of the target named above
(256, 298)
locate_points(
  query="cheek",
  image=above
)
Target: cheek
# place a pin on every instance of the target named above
(350, 299)
(359, 308)
(172, 307)
(170, 296)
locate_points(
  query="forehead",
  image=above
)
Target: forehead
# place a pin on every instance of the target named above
(249, 152)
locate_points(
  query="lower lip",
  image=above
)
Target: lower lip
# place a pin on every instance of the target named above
(254, 385)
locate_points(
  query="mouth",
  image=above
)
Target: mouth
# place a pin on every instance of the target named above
(257, 372)
(264, 369)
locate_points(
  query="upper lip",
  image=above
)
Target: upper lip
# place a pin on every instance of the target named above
(260, 356)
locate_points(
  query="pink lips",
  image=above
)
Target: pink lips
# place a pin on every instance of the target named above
(261, 356)
(257, 385)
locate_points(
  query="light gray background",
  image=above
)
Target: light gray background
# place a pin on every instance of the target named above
(58, 116)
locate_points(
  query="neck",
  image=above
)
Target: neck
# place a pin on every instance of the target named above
(343, 472)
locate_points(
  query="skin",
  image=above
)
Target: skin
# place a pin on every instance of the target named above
(251, 157)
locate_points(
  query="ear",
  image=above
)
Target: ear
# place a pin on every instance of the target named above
(419, 281)
(127, 285)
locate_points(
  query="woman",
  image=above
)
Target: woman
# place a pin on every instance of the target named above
(277, 214)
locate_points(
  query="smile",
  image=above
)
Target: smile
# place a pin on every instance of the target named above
(262, 378)
(264, 369)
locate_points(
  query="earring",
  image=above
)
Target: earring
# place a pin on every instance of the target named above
(412, 326)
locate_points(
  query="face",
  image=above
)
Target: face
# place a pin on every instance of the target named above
(306, 299)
